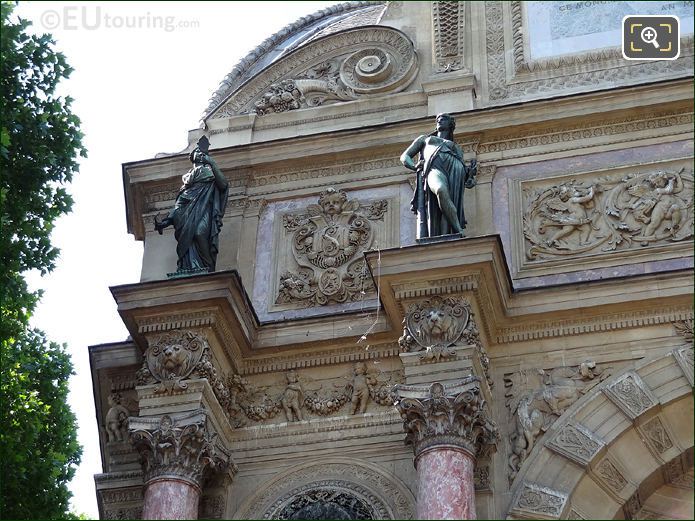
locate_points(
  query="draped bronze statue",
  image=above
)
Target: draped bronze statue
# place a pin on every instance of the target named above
(197, 213)
(442, 177)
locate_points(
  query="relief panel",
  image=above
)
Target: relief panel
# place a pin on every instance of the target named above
(602, 218)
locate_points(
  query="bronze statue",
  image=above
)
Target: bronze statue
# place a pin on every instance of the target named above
(442, 177)
(197, 213)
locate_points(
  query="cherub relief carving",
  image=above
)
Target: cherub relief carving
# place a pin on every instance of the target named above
(570, 211)
(609, 213)
(293, 397)
(536, 398)
(327, 243)
(116, 419)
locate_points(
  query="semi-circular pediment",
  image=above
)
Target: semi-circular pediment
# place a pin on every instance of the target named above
(344, 66)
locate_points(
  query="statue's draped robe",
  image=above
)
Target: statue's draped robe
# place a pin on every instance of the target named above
(447, 159)
(197, 217)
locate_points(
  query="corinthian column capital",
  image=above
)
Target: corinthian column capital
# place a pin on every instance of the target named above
(180, 448)
(453, 416)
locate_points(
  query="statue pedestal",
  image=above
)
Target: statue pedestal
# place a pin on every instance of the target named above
(440, 238)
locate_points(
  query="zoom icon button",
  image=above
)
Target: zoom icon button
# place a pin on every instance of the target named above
(650, 37)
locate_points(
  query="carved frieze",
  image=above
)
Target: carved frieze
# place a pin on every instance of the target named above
(340, 67)
(539, 502)
(448, 26)
(575, 442)
(327, 243)
(608, 214)
(536, 398)
(630, 394)
(453, 415)
(300, 396)
(180, 448)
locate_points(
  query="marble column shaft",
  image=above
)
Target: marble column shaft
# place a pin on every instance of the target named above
(448, 427)
(171, 499)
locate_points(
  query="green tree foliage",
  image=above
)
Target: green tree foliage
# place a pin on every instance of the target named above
(39, 145)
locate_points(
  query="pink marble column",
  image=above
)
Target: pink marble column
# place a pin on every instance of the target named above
(171, 499)
(448, 427)
(445, 484)
(176, 452)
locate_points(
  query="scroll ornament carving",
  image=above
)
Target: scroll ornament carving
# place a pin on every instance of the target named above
(656, 435)
(540, 500)
(576, 443)
(327, 245)
(175, 448)
(637, 210)
(536, 398)
(378, 60)
(317, 86)
(437, 415)
(630, 395)
(611, 475)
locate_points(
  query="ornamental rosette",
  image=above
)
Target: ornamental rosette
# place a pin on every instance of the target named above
(454, 415)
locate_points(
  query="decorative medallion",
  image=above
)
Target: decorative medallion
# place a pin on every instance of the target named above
(327, 244)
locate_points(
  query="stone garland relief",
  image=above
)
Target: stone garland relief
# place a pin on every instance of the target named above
(608, 214)
(298, 397)
(433, 326)
(244, 402)
(535, 398)
(328, 241)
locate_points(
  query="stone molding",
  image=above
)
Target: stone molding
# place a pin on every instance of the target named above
(438, 416)
(178, 448)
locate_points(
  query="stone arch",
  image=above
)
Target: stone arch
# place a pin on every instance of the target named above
(614, 447)
(373, 489)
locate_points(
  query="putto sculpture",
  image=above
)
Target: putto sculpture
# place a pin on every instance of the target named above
(442, 177)
(197, 213)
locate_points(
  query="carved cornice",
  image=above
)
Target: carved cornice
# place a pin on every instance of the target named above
(455, 416)
(568, 137)
(608, 322)
(178, 448)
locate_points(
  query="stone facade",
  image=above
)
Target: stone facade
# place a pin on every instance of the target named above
(334, 367)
